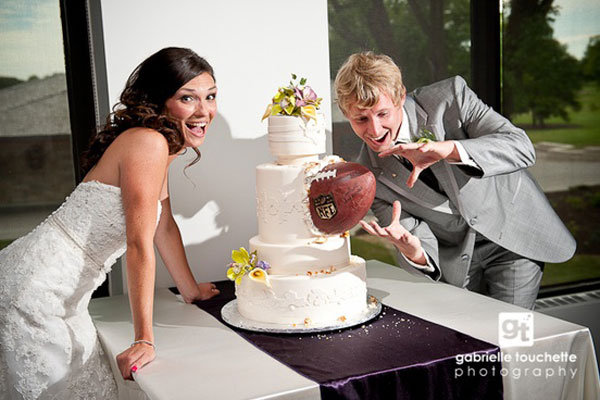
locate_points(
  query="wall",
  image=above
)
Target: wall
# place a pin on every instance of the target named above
(253, 47)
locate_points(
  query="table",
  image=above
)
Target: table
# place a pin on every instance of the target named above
(217, 366)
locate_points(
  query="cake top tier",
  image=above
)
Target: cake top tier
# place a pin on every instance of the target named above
(296, 129)
(293, 140)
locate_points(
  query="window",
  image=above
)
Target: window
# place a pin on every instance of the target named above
(429, 40)
(35, 136)
(549, 84)
(551, 77)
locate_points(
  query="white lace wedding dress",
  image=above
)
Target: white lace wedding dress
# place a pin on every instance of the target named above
(49, 348)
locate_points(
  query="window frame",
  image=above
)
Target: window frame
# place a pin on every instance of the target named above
(85, 97)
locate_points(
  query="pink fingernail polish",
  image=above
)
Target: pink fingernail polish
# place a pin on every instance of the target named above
(133, 369)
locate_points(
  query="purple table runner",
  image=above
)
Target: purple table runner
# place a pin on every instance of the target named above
(395, 356)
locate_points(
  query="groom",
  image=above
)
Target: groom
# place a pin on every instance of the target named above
(453, 193)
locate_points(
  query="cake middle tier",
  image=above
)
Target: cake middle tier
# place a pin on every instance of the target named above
(281, 209)
(303, 256)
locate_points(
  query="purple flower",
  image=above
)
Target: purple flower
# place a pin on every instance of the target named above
(304, 96)
(263, 265)
(308, 94)
(299, 97)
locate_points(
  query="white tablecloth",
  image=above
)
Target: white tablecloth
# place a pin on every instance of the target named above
(198, 357)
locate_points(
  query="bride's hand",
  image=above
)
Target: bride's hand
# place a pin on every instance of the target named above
(134, 358)
(206, 290)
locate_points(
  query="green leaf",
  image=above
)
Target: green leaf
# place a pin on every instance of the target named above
(302, 81)
(426, 134)
(294, 76)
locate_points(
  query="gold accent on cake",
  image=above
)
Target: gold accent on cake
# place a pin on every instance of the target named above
(320, 240)
(310, 165)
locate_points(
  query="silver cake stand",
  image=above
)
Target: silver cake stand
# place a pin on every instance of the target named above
(232, 316)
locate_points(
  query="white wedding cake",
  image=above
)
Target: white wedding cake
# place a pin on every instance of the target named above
(298, 275)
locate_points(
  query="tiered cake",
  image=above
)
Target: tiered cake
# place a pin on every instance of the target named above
(312, 280)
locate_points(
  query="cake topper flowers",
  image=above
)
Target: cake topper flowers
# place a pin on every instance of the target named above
(297, 99)
(247, 263)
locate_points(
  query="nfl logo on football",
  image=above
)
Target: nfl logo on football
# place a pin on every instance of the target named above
(325, 206)
(515, 329)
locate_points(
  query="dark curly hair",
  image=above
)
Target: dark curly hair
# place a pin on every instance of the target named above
(142, 101)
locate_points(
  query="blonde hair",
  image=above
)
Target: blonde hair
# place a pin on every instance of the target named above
(363, 77)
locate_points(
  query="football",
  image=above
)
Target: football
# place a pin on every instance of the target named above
(340, 195)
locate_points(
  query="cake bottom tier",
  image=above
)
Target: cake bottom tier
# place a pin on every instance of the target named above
(315, 300)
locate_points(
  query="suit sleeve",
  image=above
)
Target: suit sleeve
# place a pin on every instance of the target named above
(494, 143)
(383, 211)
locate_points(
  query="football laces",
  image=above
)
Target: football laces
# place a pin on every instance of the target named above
(323, 175)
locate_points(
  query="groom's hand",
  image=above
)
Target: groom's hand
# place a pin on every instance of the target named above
(405, 242)
(423, 155)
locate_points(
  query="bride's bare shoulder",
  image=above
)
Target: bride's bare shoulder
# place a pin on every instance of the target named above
(143, 136)
(146, 140)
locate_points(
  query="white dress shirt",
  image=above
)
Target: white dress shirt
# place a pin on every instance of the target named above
(465, 159)
(404, 137)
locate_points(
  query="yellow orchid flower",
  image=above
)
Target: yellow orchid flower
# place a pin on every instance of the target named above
(240, 257)
(231, 274)
(267, 112)
(309, 112)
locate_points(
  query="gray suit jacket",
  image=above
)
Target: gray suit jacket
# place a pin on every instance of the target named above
(501, 201)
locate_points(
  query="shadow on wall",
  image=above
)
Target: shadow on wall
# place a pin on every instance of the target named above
(215, 204)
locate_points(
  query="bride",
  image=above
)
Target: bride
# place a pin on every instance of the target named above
(48, 345)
